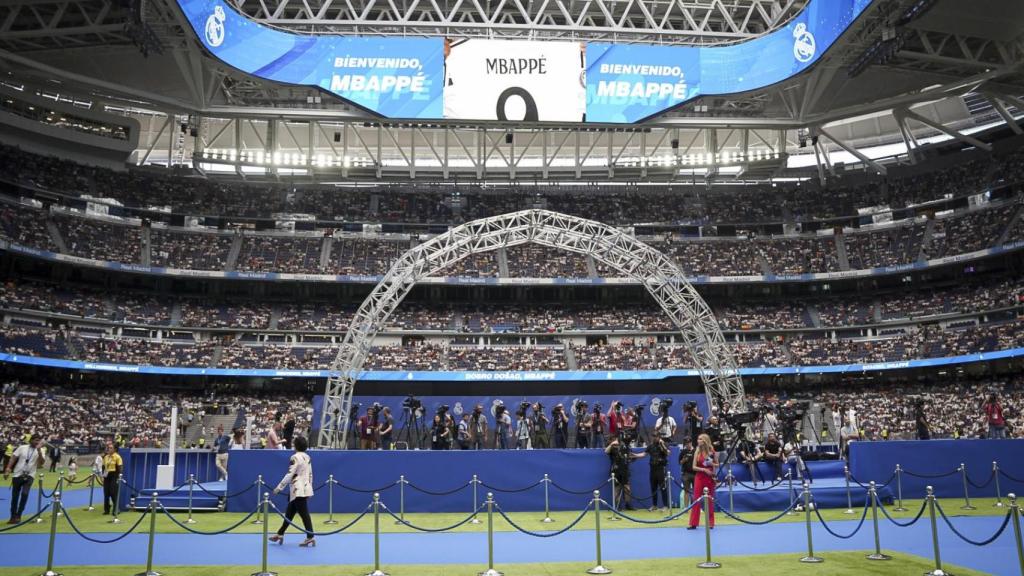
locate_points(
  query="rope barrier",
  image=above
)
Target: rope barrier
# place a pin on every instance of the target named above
(430, 493)
(580, 492)
(28, 521)
(71, 523)
(571, 525)
(422, 529)
(332, 532)
(749, 487)
(903, 524)
(877, 485)
(82, 481)
(760, 522)
(987, 541)
(863, 516)
(235, 495)
(991, 477)
(516, 491)
(931, 476)
(1010, 478)
(675, 516)
(203, 533)
(375, 490)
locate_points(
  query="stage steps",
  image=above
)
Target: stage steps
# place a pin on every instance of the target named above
(178, 499)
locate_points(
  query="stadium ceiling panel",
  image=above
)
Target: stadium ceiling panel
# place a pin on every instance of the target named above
(653, 21)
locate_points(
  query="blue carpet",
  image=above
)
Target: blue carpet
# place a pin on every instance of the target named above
(72, 499)
(578, 545)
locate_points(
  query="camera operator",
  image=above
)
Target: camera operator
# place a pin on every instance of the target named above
(658, 451)
(463, 437)
(665, 425)
(750, 455)
(560, 426)
(769, 422)
(994, 414)
(693, 422)
(597, 427)
(714, 431)
(368, 429)
(502, 426)
(621, 456)
(687, 473)
(478, 428)
(583, 424)
(439, 431)
(615, 418)
(773, 454)
(540, 427)
(795, 460)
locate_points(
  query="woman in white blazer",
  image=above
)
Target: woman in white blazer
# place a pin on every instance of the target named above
(299, 481)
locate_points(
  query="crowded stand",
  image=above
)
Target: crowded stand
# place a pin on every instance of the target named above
(25, 226)
(893, 247)
(213, 315)
(191, 251)
(536, 261)
(364, 255)
(971, 232)
(89, 238)
(279, 254)
(143, 352)
(801, 256)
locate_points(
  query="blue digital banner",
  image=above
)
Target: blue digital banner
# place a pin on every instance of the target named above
(481, 79)
(507, 376)
(394, 77)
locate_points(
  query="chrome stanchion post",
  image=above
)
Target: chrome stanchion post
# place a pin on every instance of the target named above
(259, 484)
(116, 508)
(547, 510)
(191, 484)
(615, 505)
(849, 498)
(53, 536)
(999, 493)
(39, 499)
(967, 497)
(474, 482)
(376, 537)
(810, 558)
(668, 478)
(266, 537)
(92, 487)
(1015, 511)
(899, 490)
(490, 538)
(598, 568)
(705, 504)
(330, 500)
(789, 477)
(729, 481)
(930, 499)
(152, 537)
(401, 499)
(873, 495)
(60, 486)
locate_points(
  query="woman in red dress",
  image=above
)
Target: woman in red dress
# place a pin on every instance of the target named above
(705, 465)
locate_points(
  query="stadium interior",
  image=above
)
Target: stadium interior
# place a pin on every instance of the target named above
(233, 229)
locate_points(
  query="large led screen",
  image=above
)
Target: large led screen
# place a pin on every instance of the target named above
(480, 79)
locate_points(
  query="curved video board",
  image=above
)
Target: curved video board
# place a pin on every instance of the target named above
(480, 79)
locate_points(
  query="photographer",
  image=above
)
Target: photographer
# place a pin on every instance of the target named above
(439, 431)
(583, 425)
(621, 456)
(693, 422)
(597, 427)
(478, 428)
(523, 428)
(540, 427)
(665, 425)
(462, 437)
(687, 474)
(387, 426)
(714, 431)
(560, 426)
(502, 426)
(615, 417)
(658, 451)
(994, 414)
(773, 455)
(24, 461)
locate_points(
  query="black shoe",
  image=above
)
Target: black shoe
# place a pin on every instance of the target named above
(691, 527)
(106, 513)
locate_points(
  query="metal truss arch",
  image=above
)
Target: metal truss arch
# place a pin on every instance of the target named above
(663, 278)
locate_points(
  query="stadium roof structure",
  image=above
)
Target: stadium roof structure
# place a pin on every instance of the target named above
(905, 73)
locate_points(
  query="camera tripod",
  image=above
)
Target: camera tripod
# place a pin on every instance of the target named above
(412, 431)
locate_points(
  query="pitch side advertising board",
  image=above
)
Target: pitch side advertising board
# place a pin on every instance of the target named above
(517, 80)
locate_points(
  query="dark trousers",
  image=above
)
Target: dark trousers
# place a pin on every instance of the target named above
(560, 439)
(659, 485)
(301, 506)
(109, 492)
(20, 488)
(582, 440)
